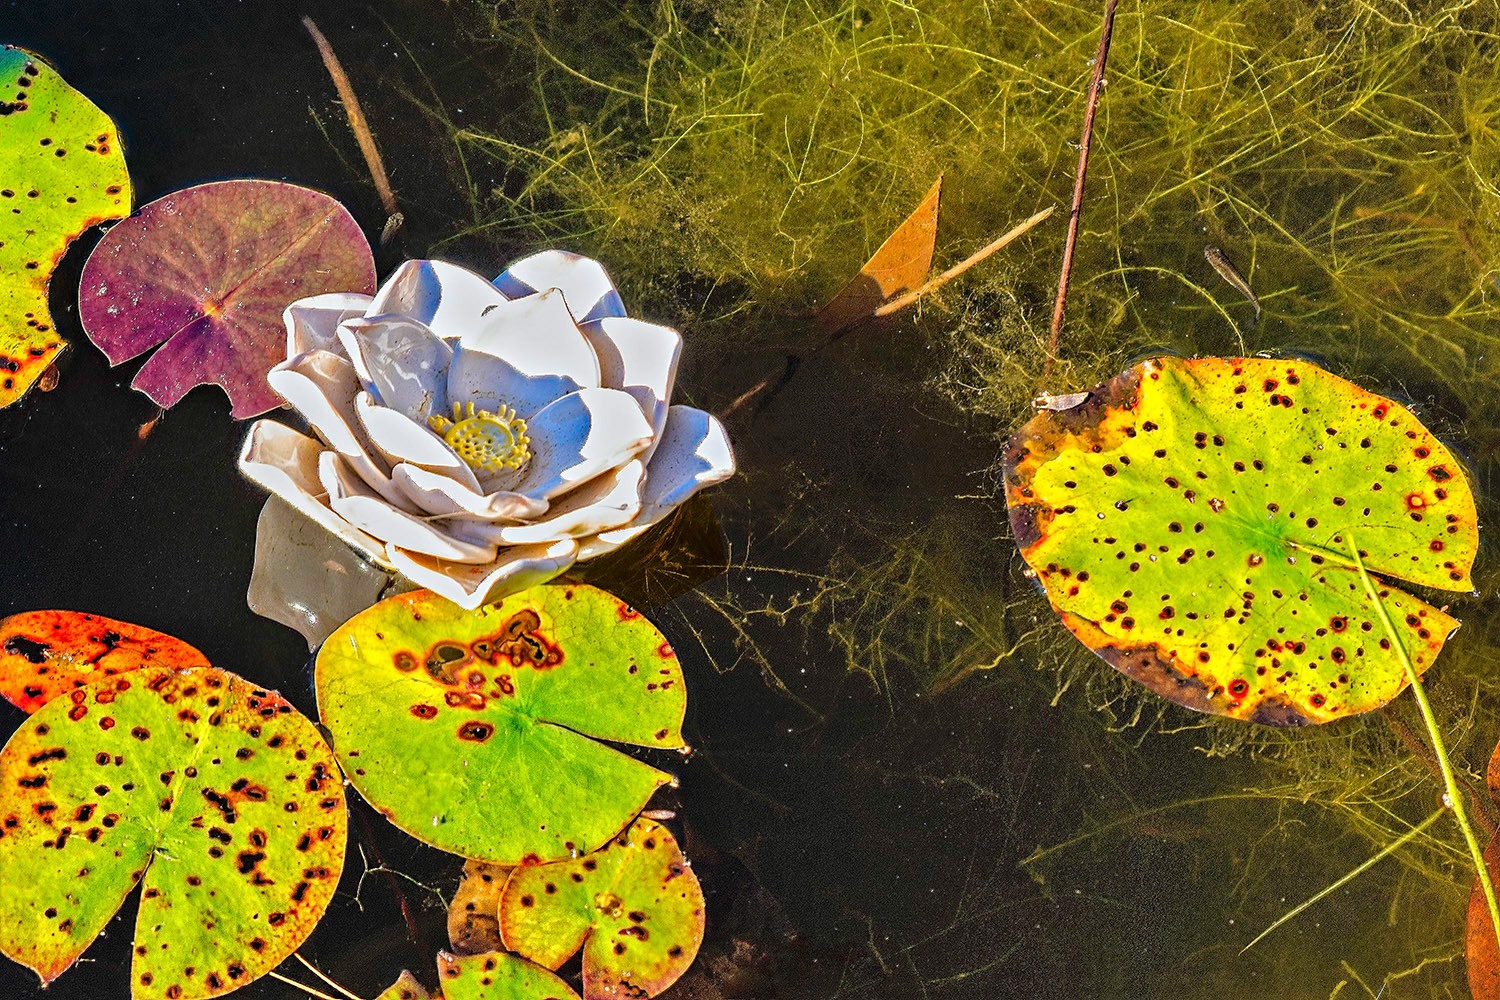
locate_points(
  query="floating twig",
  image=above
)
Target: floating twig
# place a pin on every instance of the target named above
(323, 976)
(1083, 165)
(361, 129)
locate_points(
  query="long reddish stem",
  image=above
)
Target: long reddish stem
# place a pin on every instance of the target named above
(1083, 166)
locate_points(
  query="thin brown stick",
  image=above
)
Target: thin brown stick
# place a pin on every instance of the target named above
(323, 976)
(1083, 166)
(356, 118)
(900, 302)
(301, 986)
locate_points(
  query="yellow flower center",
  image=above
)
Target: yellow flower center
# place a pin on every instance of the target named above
(487, 441)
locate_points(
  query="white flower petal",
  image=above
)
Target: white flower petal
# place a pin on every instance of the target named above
(579, 437)
(469, 586)
(286, 463)
(312, 323)
(582, 280)
(441, 495)
(447, 298)
(523, 354)
(402, 363)
(606, 501)
(640, 358)
(362, 508)
(321, 385)
(398, 439)
(693, 453)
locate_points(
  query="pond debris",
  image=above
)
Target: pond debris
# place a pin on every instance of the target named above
(1076, 213)
(361, 129)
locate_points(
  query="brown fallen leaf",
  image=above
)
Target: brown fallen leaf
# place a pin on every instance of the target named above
(899, 266)
(473, 915)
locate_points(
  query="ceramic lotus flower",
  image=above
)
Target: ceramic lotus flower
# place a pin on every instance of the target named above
(480, 437)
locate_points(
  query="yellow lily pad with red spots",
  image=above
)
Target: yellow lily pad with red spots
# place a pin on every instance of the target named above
(1186, 519)
(635, 908)
(62, 170)
(47, 653)
(479, 732)
(215, 795)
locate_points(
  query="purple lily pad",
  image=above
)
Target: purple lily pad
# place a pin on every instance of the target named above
(206, 273)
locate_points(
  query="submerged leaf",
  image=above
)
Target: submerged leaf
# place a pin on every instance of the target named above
(47, 653)
(217, 795)
(473, 924)
(498, 976)
(62, 170)
(635, 908)
(475, 731)
(900, 265)
(1481, 952)
(1185, 522)
(206, 272)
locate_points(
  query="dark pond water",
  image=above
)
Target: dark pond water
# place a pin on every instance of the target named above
(887, 720)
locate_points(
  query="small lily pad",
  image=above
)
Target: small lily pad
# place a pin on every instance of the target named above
(1186, 521)
(476, 731)
(215, 794)
(44, 654)
(62, 170)
(498, 976)
(635, 908)
(473, 921)
(206, 273)
(405, 988)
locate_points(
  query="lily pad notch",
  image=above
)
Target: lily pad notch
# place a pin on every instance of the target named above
(1186, 522)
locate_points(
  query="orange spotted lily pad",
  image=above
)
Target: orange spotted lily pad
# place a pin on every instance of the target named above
(47, 653)
(217, 796)
(478, 731)
(473, 924)
(1186, 519)
(635, 908)
(62, 170)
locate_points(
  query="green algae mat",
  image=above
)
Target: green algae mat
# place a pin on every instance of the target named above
(214, 794)
(1186, 518)
(478, 731)
(62, 170)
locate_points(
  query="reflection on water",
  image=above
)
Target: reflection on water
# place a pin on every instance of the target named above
(909, 780)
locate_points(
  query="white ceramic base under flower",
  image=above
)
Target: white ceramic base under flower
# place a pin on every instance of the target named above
(481, 437)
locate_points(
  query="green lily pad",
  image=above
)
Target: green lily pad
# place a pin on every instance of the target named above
(498, 976)
(635, 908)
(62, 170)
(476, 731)
(1185, 520)
(47, 653)
(215, 794)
